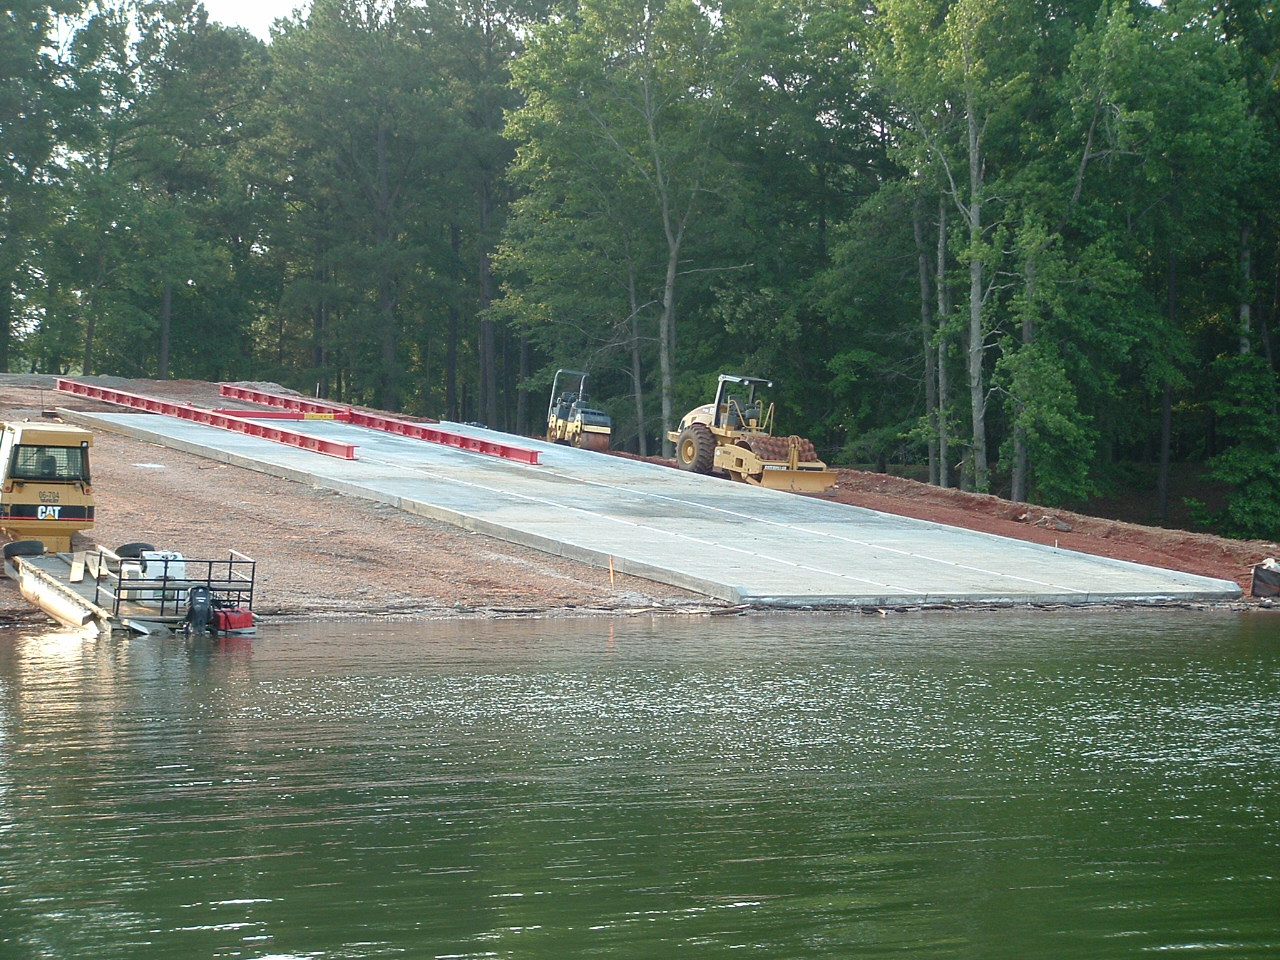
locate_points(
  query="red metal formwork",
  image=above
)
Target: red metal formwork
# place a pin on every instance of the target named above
(185, 411)
(283, 401)
(340, 415)
(377, 421)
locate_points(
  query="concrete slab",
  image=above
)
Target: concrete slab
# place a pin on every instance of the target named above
(731, 541)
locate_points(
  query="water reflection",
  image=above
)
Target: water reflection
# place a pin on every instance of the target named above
(1086, 785)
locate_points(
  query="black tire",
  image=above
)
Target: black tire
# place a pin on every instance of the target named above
(696, 448)
(132, 551)
(23, 548)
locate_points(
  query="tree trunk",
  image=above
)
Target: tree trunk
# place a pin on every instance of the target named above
(637, 388)
(488, 344)
(91, 308)
(390, 341)
(673, 229)
(977, 385)
(637, 376)
(944, 383)
(388, 321)
(1018, 479)
(1246, 292)
(1166, 397)
(926, 338)
(522, 392)
(1021, 468)
(6, 323)
(1166, 440)
(667, 334)
(319, 329)
(166, 320)
(452, 403)
(667, 346)
(90, 327)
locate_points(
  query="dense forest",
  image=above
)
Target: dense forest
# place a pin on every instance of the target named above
(1025, 245)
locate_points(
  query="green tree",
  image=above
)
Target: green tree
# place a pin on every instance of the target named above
(1245, 406)
(139, 238)
(804, 138)
(1189, 137)
(38, 94)
(363, 131)
(475, 43)
(959, 74)
(642, 89)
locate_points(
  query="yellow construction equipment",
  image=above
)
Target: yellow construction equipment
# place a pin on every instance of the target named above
(734, 434)
(569, 419)
(44, 484)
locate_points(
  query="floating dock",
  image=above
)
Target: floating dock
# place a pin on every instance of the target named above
(96, 591)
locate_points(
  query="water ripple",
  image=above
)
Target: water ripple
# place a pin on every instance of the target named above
(983, 786)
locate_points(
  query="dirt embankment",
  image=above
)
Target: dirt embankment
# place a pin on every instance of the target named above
(323, 555)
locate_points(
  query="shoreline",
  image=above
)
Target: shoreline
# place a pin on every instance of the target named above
(327, 557)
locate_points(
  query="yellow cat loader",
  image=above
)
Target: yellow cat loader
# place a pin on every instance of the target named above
(734, 434)
(44, 484)
(569, 419)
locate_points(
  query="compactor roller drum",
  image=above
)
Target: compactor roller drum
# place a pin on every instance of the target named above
(599, 442)
(733, 435)
(779, 448)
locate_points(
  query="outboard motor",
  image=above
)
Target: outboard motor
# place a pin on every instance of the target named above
(199, 609)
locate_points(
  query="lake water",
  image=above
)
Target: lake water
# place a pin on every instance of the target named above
(1087, 785)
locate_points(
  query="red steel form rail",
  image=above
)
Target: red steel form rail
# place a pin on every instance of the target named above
(184, 411)
(339, 416)
(375, 421)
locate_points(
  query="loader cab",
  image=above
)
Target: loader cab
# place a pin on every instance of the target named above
(45, 490)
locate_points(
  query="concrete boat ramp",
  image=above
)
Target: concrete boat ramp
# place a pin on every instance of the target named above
(730, 541)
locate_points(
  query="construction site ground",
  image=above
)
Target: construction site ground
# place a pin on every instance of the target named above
(319, 560)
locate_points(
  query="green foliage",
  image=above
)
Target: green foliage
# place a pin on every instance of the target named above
(1246, 407)
(624, 102)
(1033, 225)
(1059, 438)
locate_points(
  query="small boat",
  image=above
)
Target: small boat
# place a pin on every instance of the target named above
(136, 588)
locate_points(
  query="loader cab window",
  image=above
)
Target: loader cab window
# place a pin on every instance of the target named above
(50, 463)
